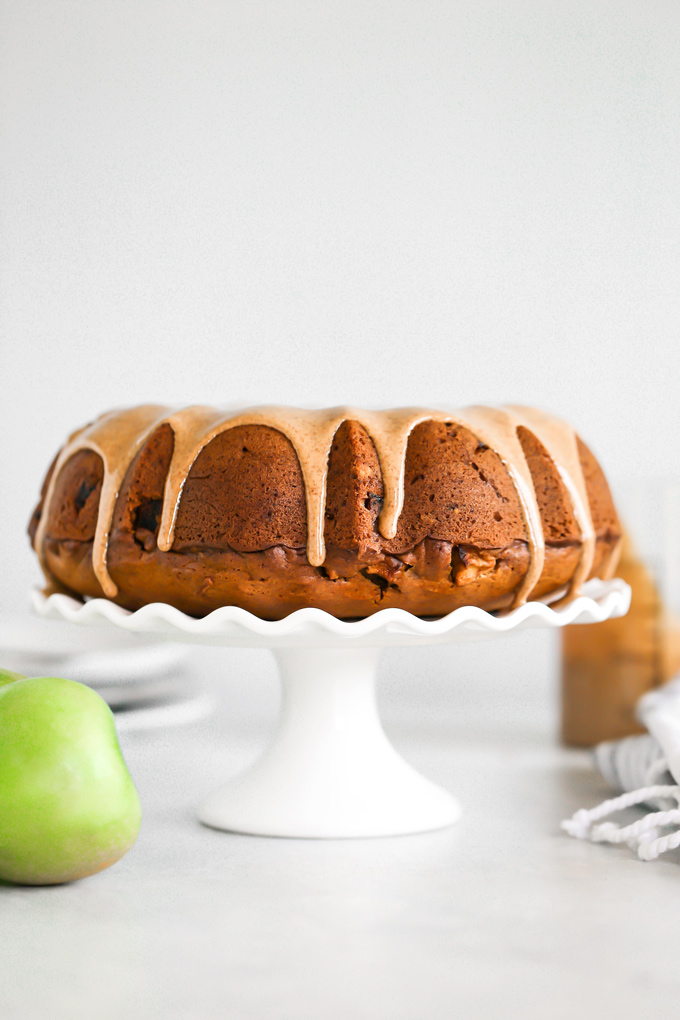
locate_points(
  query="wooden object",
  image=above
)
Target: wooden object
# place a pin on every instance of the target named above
(607, 667)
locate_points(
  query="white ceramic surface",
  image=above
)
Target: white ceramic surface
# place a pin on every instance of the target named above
(313, 627)
(142, 678)
(330, 771)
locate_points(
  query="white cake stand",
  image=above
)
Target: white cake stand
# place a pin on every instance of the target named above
(330, 771)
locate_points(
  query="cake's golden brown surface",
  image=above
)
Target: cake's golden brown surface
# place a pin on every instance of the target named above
(240, 533)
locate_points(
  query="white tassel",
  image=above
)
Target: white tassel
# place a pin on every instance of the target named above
(642, 835)
(649, 851)
(642, 762)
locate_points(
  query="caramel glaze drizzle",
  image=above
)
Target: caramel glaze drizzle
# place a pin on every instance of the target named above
(117, 437)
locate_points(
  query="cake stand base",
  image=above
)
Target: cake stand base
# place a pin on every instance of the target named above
(329, 771)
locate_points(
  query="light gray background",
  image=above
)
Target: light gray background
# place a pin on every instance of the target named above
(314, 203)
(319, 203)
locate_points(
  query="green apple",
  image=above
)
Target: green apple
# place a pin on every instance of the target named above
(8, 677)
(68, 807)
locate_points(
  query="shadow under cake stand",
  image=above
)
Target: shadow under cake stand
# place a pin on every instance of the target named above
(330, 771)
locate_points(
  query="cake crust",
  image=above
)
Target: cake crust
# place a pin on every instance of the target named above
(241, 525)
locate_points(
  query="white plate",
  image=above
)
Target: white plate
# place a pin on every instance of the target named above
(143, 678)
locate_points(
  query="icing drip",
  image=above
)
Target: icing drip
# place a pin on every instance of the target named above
(497, 428)
(118, 436)
(561, 444)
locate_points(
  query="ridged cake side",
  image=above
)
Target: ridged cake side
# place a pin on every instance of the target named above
(240, 533)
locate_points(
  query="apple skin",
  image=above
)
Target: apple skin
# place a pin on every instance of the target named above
(8, 677)
(68, 806)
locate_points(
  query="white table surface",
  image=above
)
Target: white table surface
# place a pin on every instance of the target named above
(501, 916)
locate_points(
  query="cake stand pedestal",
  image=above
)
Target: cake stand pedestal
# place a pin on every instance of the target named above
(330, 771)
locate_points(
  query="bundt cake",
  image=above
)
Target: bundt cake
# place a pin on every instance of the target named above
(274, 509)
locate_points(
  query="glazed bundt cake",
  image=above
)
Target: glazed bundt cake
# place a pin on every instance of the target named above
(275, 509)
